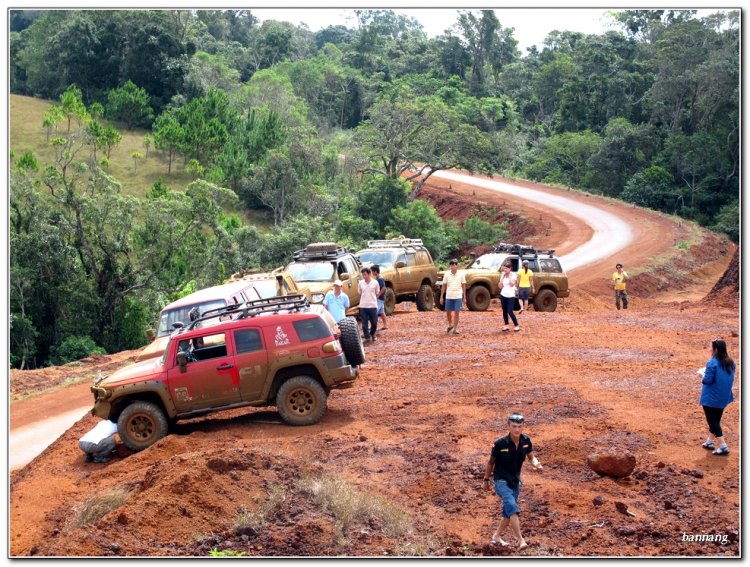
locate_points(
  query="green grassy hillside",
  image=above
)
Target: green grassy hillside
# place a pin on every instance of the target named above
(28, 135)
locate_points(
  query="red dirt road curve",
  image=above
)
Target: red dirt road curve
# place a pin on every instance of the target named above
(416, 431)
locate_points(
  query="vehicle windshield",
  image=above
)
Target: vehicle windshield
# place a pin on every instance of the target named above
(382, 259)
(166, 350)
(266, 288)
(488, 262)
(168, 317)
(311, 271)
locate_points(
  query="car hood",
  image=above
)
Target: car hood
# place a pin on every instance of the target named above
(319, 287)
(133, 372)
(154, 350)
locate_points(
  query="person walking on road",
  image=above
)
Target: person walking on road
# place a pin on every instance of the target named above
(619, 278)
(508, 283)
(336, 301)
(453, 295)
(525, 285)
(381, 295)
(506, 460)
(716, 394)
(100, 441)
(368, 304)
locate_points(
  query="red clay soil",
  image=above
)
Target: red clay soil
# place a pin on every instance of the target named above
(417, 429)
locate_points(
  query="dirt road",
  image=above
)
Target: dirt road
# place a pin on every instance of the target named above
(417, 429)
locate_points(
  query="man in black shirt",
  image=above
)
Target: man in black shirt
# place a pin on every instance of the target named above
(506, 460)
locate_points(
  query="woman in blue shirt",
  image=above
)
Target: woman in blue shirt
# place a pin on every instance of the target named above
(717, 393)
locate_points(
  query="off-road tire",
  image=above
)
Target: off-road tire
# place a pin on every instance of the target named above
(301, 400)
(440, 306)
(545, 300)
(425, 298)
(351, 342)
(322, 247)
(478, 298)
(141, 424)
(390, 302)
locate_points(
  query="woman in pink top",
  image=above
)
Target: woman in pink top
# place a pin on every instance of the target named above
(368, 304)
(508, 286)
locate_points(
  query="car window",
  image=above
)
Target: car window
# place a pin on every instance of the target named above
(383, 259)
(265, 288)
(353, 267)
(168, 317)
(247, 340)
(411, 260)
(423, 258)
(312, 329)
(401, 258)
(551, 265)
(311, 271)
(533, 265)
(204, 348)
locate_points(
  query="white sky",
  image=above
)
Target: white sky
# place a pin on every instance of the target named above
(532, 25)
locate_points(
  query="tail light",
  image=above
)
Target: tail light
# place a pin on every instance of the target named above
(333, 346)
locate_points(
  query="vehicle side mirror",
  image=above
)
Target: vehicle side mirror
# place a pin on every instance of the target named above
(473, 255)
(182, 361)
(345, 276)
(150, 334)
(400, 265)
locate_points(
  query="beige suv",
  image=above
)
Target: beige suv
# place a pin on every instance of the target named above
(407, 268)
(320, 264)
(483, 276)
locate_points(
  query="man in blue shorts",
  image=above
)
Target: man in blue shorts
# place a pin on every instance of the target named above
(453, 295)
(506, 460)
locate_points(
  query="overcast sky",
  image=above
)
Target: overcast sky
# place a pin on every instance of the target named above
(531, 25)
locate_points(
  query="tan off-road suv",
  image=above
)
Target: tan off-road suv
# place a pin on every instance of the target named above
(265, 352)
(407, 268)
(320, 264)
(483, 276)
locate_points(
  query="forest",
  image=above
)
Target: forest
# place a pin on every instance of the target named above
(331, 135)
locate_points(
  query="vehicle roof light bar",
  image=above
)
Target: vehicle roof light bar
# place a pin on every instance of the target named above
(394, 243)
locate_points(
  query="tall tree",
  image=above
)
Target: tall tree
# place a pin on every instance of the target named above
(131, 105)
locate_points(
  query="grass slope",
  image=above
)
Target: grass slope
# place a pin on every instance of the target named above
(28, 135)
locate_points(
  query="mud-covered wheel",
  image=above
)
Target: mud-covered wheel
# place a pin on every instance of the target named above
(390, 302)
(301, 400)
(141, 424)
(425, 298)
(478, 298)
(545, 300)
(351, 342)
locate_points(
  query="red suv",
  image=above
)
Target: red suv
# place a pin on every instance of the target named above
(267, 352)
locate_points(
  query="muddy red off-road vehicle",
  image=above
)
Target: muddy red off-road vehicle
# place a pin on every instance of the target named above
(266, 352)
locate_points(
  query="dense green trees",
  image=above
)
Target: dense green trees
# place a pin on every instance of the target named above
(333, 133)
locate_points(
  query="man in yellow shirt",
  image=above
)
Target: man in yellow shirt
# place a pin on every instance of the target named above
(453, 295)
(525, 285)
(619, 278)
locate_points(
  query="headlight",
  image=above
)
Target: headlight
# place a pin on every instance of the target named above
(317, 297)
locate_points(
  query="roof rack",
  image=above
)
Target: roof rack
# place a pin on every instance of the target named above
(399, 242)
(317, 250)
(522, 250)
(288, 303)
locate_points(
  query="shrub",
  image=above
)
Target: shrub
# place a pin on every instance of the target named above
(98, 506)
(255, 520)
(73, 348)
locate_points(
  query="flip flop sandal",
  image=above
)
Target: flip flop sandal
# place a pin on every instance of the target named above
(456, 333)
(721, 451)
(505, 329)
(448, 330)
(517, 329)
(709, 445)
(524, 546)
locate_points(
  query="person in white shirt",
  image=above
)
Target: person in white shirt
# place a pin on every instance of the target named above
(368, 304)
(99, 441)
(453, 295)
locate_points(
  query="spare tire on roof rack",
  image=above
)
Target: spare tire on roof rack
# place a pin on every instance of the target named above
(322, 247)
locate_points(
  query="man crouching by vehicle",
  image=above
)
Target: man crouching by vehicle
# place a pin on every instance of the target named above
(506, 460)
(99, 442)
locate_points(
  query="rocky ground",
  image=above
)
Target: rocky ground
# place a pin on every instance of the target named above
(395, 465)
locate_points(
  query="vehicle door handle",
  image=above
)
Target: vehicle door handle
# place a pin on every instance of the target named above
(225, 367)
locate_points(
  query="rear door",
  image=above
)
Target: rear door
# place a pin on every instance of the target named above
(210, 380)
(251, 361)
(351, 287)
(408, 276)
